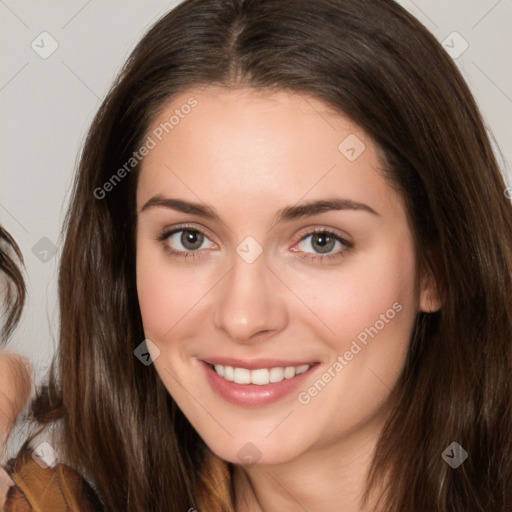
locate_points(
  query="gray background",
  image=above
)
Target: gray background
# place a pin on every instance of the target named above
(48, 103)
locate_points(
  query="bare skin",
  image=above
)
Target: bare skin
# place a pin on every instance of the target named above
(248, 155)
(15, 391)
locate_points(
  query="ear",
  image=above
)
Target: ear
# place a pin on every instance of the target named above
(430, 300)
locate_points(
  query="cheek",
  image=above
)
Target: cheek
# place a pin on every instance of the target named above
(159, 292)
(154, 303)
(168, 295)
(371, 310)
(349, 302)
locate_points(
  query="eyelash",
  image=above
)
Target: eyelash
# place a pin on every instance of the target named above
(164, 235)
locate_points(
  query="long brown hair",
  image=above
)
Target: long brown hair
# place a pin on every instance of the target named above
(374, 62)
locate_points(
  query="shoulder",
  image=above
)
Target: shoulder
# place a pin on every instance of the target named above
(48, 489)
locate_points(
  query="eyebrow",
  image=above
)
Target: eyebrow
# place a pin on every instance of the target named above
(284, 215)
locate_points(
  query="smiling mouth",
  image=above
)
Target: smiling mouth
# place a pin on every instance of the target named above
(260, 376)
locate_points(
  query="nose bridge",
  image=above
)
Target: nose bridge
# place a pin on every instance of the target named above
(246, 304)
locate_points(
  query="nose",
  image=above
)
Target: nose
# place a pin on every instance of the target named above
(250, 302)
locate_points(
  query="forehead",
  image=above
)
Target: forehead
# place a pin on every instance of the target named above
(254, 144)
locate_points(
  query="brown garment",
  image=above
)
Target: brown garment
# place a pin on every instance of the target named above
(57, 489)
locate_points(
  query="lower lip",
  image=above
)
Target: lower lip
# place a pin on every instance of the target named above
(253, 395)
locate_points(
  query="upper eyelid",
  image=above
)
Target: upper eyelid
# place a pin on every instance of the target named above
(320, 229)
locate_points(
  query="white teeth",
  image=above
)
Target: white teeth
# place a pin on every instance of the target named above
(261, 376)
(229, 373)
(289, 372)
(277, 374)
(242, 376)
(302, 369)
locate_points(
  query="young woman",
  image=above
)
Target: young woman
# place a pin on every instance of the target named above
(292, 210)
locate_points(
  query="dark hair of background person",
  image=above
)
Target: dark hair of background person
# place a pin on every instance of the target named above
(374, 62)
(14, 287)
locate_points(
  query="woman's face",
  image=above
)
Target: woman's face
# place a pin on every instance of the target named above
(267, 239)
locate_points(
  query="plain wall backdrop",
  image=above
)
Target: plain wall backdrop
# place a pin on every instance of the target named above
(57, 62)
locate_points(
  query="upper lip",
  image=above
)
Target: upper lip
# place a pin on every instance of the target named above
(255, 364)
